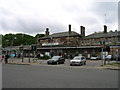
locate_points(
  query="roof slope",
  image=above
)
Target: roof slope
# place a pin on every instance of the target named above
(99, 35)
(62, 34)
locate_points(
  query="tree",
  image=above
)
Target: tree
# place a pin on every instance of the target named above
(39, 35)
(18, 39)
(110, 31)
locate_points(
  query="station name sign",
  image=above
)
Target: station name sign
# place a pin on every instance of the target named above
(50, 44)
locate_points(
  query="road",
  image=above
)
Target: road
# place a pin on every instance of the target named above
(58, 76)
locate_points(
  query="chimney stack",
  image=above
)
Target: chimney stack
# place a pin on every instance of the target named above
(47, 32)
(82, 31)
(105, 29)
(69, 27)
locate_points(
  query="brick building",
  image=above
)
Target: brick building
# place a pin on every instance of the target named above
(74, 43)
(111, 41)
(60, 42)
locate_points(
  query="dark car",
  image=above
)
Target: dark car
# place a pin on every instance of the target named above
(56, 60)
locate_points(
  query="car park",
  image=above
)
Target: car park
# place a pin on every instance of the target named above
(78, 60)
(56, 60)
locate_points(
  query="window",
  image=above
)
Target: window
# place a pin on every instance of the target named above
(110, 40)
(56, 40)
(118, 39)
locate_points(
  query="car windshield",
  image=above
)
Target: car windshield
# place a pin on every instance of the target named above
(55, 57)
(77, 58)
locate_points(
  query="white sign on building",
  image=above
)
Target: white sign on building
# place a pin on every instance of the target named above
(50, 44)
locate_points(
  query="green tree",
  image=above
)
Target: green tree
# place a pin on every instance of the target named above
(18, 39)
(39, 35)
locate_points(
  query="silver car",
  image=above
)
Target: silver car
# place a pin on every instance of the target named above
(78, 60)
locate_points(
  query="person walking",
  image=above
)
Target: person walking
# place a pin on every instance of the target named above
(6, 58)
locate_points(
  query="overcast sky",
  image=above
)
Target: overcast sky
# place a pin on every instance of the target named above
(33, 16)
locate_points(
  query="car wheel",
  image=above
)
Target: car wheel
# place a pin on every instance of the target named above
(70, 64)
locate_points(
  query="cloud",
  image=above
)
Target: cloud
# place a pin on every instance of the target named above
(33, 16)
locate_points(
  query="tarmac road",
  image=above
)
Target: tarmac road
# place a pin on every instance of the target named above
(57, 76)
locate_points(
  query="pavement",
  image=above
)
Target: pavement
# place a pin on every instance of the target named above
(90, 63)
(111, 67)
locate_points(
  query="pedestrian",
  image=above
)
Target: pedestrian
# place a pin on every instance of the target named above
(2, 58)
(6, 58)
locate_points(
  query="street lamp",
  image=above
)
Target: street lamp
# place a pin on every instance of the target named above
(102, 44)
(21, 49)
(33, 48)
(29, 55)
(51, 45)
(7, 46)
(12, 44)
(116, 55)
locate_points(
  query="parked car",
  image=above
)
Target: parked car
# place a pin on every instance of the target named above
(78, 60)
(108, 57)
(56, 60)
(95, 58)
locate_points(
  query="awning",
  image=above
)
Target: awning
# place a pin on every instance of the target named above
(82, 47)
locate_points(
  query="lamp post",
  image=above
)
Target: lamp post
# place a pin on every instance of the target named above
(51, 45)
(12, 44)
(102, 44)
(116, 55)
(29, 55)
(22, 48)
(7, 46)
(33, 48)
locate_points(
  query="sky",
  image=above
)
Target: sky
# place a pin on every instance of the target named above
(34, 16)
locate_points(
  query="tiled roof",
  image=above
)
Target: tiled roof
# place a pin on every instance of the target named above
(100, 35)
(62, 34)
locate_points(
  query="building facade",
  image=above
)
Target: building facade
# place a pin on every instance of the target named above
(62, 42)
(111, 41)
(73, 43)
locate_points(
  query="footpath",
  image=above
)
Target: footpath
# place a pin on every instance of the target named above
(111, 66)
(34, 61)
(25, 61)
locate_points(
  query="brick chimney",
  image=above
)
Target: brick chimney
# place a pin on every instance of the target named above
(82, 31)
(47, 32)
(69, 27)
(105, 29)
